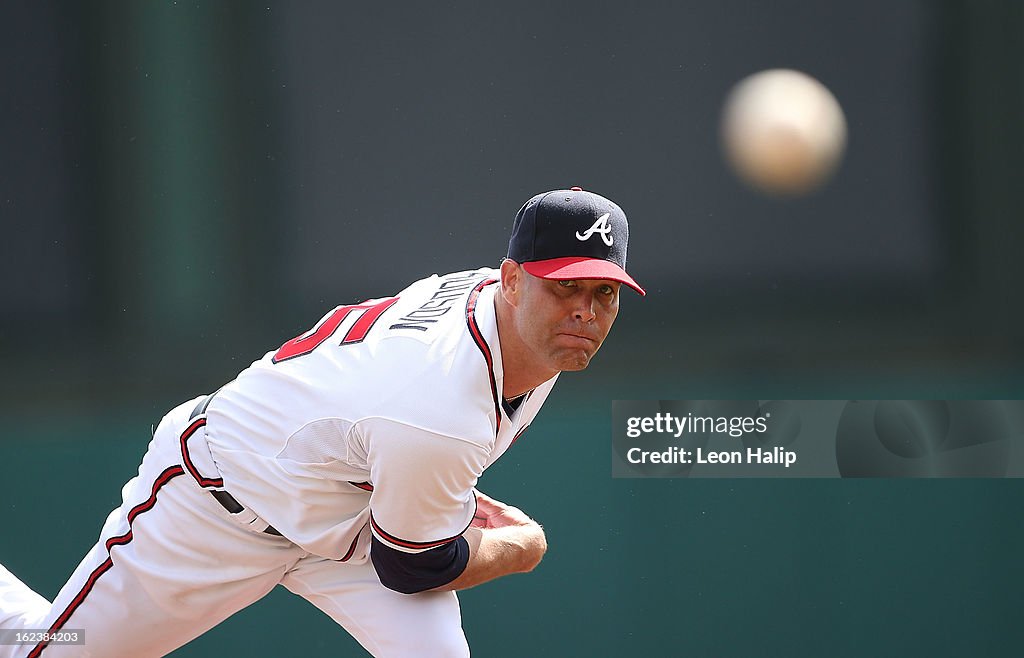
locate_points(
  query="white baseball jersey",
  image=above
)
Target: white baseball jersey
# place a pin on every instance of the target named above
(378, 420)
(383, 416)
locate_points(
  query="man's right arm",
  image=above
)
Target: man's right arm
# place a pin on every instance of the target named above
(502, 540)
(431, 529)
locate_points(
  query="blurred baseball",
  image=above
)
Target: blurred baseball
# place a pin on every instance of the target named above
(783, 131)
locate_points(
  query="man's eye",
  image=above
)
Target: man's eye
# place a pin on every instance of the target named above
(567, 284)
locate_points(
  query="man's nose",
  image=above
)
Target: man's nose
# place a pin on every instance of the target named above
(585, 309)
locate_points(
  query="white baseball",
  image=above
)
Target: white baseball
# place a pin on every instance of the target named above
(783, 131)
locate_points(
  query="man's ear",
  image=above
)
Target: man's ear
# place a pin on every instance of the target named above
(511, 280)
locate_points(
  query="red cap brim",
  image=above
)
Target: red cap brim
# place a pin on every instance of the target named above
(576, 267)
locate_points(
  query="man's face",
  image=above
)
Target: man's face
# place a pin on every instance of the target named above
(564, 323)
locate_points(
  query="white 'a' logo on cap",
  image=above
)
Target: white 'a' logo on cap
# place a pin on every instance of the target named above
(600, 226)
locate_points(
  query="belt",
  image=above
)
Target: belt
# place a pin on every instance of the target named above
(226, 500)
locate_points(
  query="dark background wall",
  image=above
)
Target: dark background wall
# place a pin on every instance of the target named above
(184, 186)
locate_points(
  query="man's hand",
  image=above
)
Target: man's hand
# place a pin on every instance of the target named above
(502, 540)
(491, 513)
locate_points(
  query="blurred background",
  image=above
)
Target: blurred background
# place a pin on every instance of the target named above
(186, 185)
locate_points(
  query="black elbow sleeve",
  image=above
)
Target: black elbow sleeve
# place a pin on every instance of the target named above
(410, 573)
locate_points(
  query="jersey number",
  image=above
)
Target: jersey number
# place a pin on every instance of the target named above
(310, 340)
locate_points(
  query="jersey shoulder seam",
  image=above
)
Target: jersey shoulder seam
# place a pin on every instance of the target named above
(419, 428)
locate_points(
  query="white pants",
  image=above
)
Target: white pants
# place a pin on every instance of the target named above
(171, 563)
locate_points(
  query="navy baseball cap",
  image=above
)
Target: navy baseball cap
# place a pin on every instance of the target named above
(572, 234)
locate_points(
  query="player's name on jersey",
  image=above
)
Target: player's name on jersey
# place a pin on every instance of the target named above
(440, 303)
(776, 456)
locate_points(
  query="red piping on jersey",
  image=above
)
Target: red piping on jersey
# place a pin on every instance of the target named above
(351, 549)
(165, 477)
(421, 544)
(516, 437)
(474, 330)
(365, 486)
(193, 471)
(405, 542)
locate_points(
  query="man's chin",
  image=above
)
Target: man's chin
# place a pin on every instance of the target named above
(574, 362)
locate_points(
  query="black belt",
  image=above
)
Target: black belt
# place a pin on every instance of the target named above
(229, 503)
(226, 500)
